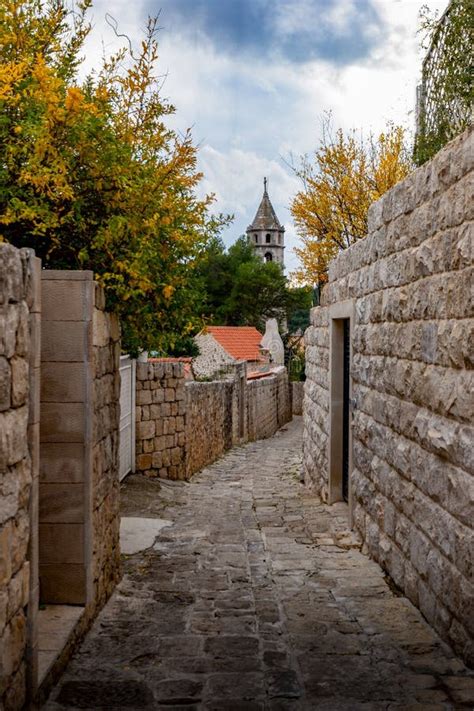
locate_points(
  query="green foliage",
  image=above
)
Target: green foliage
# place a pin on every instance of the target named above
(91, 177)
(447, 89)
(299, 302)
(238, 288)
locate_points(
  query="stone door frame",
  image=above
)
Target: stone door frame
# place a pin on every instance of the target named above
(345, 310)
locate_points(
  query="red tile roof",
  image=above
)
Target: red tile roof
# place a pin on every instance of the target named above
(241, 342)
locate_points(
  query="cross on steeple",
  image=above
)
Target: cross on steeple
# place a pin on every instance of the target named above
(265, 185)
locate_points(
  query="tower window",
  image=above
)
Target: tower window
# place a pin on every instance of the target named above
(268, 238)
(256, 238)
(269, 257)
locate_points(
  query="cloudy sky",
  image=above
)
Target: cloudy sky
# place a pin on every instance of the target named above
(252, 78)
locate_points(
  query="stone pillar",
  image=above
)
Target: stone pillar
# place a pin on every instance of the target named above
(80, 393)
(66, 437)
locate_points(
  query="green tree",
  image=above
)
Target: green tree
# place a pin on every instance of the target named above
(446, 93)
(92, 177)
(299, 301)
(238, 288)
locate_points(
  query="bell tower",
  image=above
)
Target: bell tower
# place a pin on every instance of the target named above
(266, 234)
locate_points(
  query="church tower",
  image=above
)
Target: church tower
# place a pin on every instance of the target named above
(266, 234)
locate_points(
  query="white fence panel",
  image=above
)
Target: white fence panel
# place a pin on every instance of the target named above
(127, 416)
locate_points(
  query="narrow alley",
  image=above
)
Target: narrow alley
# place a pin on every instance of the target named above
(256, 597)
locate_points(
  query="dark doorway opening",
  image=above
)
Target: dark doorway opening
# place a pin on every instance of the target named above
(346, 408)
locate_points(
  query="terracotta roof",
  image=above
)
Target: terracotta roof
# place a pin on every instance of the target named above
(266, 218)
(241, 342)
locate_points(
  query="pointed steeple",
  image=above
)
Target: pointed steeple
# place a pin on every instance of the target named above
(265, 218)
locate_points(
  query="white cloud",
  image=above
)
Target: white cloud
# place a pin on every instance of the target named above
(248, 115)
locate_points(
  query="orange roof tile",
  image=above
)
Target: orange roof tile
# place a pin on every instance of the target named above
(241, 342)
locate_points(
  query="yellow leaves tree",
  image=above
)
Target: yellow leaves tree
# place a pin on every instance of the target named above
(91, 177)
(339, 183)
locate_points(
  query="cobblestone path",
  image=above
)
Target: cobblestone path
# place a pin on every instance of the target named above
(257, 597)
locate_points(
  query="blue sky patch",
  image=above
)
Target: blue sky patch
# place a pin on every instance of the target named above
(297, 31)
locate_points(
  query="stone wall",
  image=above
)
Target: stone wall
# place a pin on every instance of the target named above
(297, 394)
(212, 359)
(182, 428)
(408, 286)
(105, 452)
(160, 424)
(208, 423)
(19, 413)
(269, 405)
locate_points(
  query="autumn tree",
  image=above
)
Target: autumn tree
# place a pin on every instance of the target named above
(91, 176)
(339, 182)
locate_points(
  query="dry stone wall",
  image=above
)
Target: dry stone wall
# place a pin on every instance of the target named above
(160, 425)
(269, 405)
(412, 483)
(105, 571)
(181, 428)
(297, 394)
(208, 423)
(19, 413)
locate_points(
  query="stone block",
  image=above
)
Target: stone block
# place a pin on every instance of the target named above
(61, 543)
(65, 299)
(61, 503)
(13, 436)
(6, 533)
(146, 429)
(63, 382)
(63, 584)
(65, 340)
(144, 397)
(5, 384)
(144, 461)
(62, 462)
(19, 381)
(158, 396)
(62, 422)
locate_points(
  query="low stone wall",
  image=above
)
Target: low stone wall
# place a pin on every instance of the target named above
(297, 394)
(181, 427)
(19, 411)
(407, 290)
(160, 424)
(105, 451)
(208, 423)
(268, 405)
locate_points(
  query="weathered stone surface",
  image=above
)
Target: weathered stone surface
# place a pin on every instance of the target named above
(17, 467)
(182, 428)
(257, 597)
(412, 381)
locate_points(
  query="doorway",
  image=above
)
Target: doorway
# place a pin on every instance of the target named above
(346, 363)
(340, 432)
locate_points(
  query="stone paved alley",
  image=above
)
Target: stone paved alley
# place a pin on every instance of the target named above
(257, 597)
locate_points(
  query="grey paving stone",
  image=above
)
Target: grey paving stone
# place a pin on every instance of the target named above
(256, 598)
